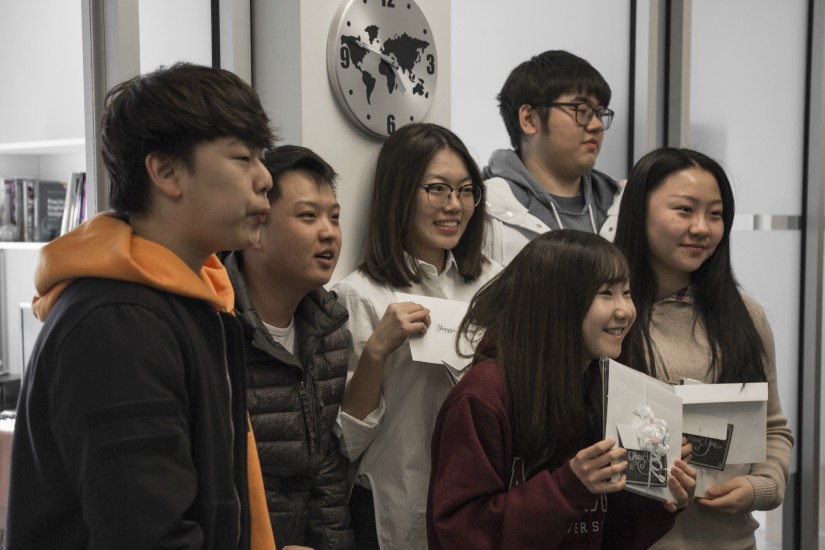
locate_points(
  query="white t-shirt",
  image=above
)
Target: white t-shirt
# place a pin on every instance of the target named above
(284, 336)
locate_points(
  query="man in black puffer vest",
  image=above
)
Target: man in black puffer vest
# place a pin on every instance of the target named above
(297, 352)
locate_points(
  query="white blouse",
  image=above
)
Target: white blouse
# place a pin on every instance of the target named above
(393, 441)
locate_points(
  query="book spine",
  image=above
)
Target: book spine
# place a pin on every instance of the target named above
(8, 230)
(38, 212)
(48, 209)
(6, 198)
(73, 214)
(29, 211)
(20, 209)
(68, 206)
(83, 197)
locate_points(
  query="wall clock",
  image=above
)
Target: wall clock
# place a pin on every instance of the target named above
(382, 64)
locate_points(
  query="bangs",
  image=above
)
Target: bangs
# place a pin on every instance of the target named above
(589, 87)
(612, 267)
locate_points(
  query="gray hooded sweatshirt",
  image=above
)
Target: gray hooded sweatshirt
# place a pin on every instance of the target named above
(599, 191)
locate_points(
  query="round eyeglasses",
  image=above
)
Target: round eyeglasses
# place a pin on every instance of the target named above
(438, 194)
(585, 113)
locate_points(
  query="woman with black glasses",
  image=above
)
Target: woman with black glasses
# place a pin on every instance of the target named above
(424, 236)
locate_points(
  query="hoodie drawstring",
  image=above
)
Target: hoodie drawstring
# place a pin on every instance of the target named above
(589, 211)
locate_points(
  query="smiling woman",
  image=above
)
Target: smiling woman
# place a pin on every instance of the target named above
(424, 238)
(519, 441)
(684, 227)
(444, 206)
(674, 227)
(608, 319)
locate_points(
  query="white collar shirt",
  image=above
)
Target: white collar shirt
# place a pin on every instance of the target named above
(393, 442)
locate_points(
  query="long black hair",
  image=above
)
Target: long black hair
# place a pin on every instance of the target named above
(737, 351)
(531, 317)
(401, 164)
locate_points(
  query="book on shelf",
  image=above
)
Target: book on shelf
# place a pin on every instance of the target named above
(74, 211)
(8, 226)
(31, 210)
(28, 210)
(19, 209)
(49, 201)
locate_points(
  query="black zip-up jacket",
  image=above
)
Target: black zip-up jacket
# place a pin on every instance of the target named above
(124, 435)
(293, 403)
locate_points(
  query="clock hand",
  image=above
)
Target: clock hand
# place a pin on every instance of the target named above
(389, 60)
(386, 58)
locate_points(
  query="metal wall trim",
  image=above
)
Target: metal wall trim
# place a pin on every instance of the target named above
(805, 512)
(766, 222)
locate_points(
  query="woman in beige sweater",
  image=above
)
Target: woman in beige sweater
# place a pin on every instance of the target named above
(693, 322)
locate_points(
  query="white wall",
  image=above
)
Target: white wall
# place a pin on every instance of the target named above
(174, 30)
(60, 167)
(41, 95)
(19, 166)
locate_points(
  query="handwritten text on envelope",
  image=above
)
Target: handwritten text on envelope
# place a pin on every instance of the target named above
(438, 344)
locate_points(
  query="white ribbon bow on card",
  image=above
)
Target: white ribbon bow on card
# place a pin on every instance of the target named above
(652, 436)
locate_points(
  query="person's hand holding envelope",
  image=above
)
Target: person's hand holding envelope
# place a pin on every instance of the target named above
(437, 345)
(644, 416)
(726, 425)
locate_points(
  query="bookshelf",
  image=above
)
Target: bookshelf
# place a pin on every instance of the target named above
(41, 136)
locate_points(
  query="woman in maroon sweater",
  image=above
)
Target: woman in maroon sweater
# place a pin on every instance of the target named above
(518, 456)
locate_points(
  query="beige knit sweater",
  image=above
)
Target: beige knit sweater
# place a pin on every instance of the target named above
(685, 351)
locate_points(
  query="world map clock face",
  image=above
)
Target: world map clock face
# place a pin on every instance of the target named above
(382, 63)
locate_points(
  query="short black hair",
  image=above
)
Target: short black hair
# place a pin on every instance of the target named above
(170, 111)
(541, 80)
(294, 157)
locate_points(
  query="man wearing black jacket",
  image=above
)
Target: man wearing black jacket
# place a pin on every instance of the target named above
(131, 429)
(297, 352)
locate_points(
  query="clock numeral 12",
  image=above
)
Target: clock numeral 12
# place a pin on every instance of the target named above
(390, 124)
(388, 3)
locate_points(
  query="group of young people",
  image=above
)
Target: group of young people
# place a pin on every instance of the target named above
(196, 386)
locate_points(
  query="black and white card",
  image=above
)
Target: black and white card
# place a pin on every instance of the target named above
(709, 452)
(645, 468)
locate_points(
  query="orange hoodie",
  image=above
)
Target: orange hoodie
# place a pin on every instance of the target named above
(124, 256)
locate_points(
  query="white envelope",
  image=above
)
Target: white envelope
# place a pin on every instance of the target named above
(437, 346)
(705, 425)
(629, 392)
(744, 406)
(455, 364)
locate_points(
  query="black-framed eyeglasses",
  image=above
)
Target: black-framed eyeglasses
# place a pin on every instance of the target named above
(585, 113)
(438, 194)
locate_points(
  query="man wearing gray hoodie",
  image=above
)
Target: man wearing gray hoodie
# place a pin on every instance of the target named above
(555, 109)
